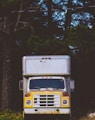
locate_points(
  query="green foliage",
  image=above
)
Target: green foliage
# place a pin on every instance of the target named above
(5, 3)
(46, 46)
(83, 38)
(83, 61)
(8, 115)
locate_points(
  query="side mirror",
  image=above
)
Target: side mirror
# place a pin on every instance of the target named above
(21, 85)
(72, 85)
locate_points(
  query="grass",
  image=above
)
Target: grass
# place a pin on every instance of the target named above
(8, 115)
(87, 118)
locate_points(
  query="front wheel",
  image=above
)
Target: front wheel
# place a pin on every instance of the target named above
(64, 117)
(27, 117)
(35, 116)
(46, 117)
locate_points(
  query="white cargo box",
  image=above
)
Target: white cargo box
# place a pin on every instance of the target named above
(46, 65)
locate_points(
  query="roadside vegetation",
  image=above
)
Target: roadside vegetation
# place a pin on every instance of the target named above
(8, 115)
(87, 118)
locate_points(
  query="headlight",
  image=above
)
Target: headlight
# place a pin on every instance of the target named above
(28, 102)
(65, 102)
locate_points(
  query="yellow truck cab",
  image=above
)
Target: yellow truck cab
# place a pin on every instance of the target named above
(46, 86)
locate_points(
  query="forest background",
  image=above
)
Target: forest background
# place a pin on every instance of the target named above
(45, 27)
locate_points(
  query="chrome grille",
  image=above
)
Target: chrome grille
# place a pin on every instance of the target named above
(47, 100)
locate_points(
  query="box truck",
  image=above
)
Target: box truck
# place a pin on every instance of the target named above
(47, 86)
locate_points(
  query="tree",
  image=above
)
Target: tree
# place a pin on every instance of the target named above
(6, 77)
(81, 43)
(8, 28)
(45, 46)
(83, 38)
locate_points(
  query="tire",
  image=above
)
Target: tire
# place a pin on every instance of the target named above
(46, 117)
(35, 117)
(64, 117)
(27, 117)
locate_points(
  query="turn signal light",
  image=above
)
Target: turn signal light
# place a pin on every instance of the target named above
(27, 95)
(65, 94)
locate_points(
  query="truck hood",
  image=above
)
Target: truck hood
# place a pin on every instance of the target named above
(46, 89)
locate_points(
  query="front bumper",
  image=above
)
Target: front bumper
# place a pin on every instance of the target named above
(47, 111)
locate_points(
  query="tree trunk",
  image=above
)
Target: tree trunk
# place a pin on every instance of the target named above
(68, 16)
(19, 15)
(6, 78)
(50, 17)
(6, 88)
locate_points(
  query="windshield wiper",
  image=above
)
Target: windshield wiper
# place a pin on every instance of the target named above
(35, 87)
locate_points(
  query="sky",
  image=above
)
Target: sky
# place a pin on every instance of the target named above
(59, 15)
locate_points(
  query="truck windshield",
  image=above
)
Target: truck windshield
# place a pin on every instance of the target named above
(46, 83)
